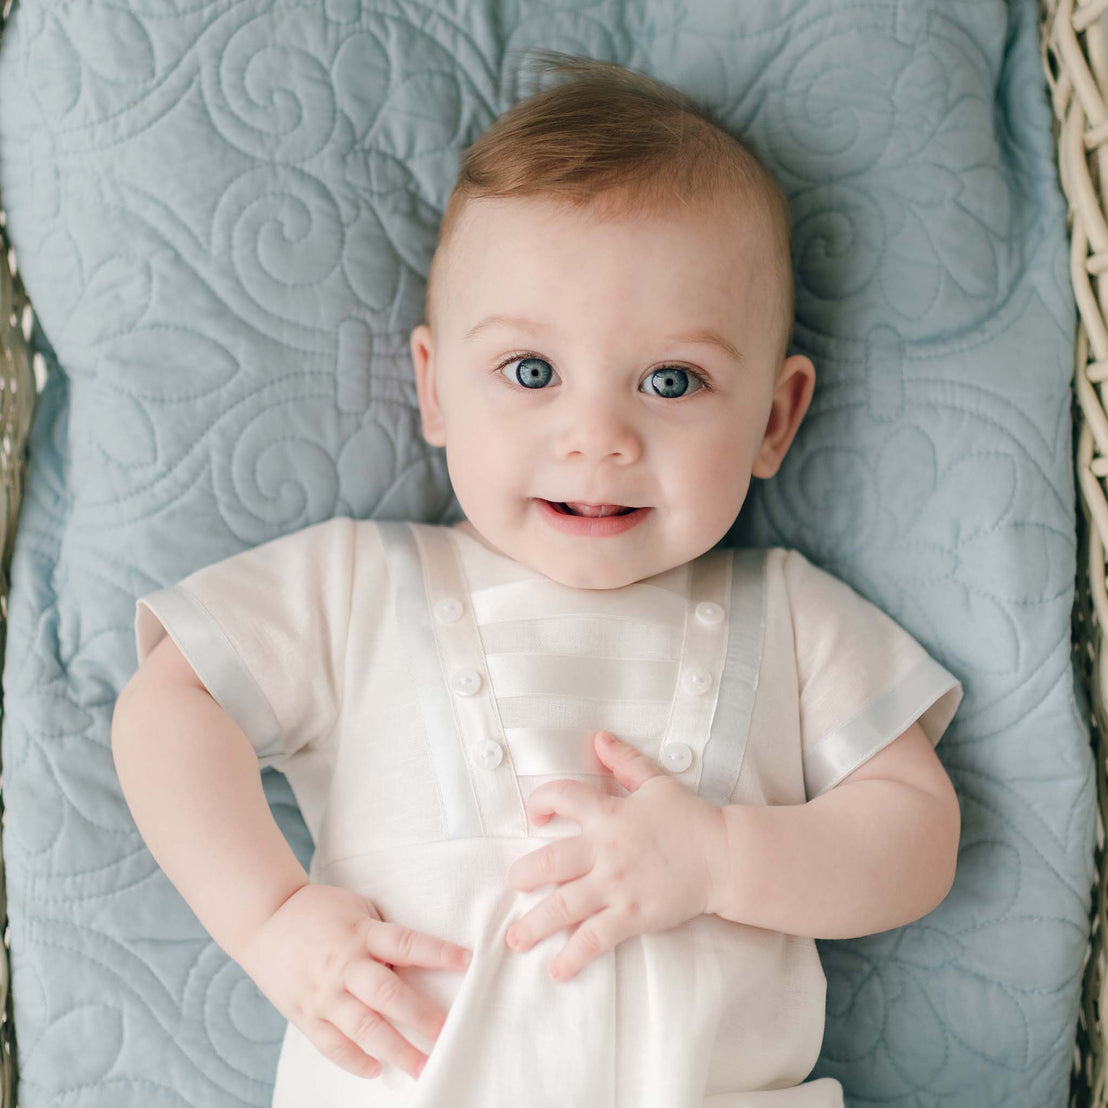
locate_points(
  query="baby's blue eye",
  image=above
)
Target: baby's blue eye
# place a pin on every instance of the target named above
(532, 373)
(671, 382)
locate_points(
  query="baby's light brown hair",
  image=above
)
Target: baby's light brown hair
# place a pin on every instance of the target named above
(624, 144)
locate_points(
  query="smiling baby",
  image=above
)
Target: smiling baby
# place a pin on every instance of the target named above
(584, 785)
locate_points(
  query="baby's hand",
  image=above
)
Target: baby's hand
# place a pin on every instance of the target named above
(324, 960)
(642, 863)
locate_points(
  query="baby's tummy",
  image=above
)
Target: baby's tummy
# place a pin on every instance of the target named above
(705, 1014)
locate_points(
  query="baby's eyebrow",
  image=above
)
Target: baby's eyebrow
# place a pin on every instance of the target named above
(703, 335)
(506, 320)
(709, 337)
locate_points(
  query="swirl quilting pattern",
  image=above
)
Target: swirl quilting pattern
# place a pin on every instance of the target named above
(224, 211)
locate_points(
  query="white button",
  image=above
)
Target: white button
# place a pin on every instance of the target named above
(466, 681)
(448, 610)
(707, 611)
(697, 679)
(676, 756)
(488, 754)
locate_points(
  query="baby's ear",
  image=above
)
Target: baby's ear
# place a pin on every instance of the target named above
(434, 427)
(791, 397)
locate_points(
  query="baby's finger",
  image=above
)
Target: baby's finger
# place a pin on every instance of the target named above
(379, 988)
(596, 936)
(397, 945)
(561, 860)
(334, 1045)
(372, 1033)
(565, 797)
(567, 905)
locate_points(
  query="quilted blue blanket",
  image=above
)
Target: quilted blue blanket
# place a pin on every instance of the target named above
(224, 211)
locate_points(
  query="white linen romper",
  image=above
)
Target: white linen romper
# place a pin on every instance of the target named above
(415, 685)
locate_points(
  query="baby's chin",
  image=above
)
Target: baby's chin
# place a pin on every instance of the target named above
(590, 575)
(596, 582)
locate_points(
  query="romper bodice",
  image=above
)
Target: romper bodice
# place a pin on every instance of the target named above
(517, 674)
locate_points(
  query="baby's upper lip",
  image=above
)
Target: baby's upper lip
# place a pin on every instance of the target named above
(597, 503)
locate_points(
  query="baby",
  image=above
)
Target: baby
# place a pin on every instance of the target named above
(630, 772)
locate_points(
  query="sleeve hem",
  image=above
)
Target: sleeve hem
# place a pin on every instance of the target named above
(217, 663)
(927, 693)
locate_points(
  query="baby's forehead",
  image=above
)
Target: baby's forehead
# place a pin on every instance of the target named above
(497, 241)
(740, 230)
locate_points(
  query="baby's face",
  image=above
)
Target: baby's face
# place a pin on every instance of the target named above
(572, 363)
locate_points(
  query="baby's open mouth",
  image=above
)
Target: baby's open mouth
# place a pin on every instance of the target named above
(576, 509)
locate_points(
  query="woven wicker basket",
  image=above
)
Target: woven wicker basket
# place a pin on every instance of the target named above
(17, 398)
(1075, 55)
(17, 401)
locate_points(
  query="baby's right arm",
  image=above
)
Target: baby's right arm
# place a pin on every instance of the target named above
(322, 955)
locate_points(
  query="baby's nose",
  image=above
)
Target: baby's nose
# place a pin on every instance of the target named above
(600, 433)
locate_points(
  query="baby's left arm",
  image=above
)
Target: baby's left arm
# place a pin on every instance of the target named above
(875, 852)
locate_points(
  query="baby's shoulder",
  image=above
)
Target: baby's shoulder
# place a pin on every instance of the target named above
(792, 578)
(772, 560)
(782, 561)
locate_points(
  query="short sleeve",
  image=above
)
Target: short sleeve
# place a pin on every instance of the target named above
(266, 632)
(863, 679)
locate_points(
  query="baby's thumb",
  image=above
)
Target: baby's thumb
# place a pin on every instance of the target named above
(630, 768)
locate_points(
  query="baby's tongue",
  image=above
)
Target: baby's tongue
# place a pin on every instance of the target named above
(593, 510)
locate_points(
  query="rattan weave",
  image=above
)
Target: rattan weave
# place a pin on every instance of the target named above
(17, 401)
(1075, 55)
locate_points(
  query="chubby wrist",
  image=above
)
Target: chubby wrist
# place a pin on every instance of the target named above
(758, 845)
(724, 895)
(240, 939)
